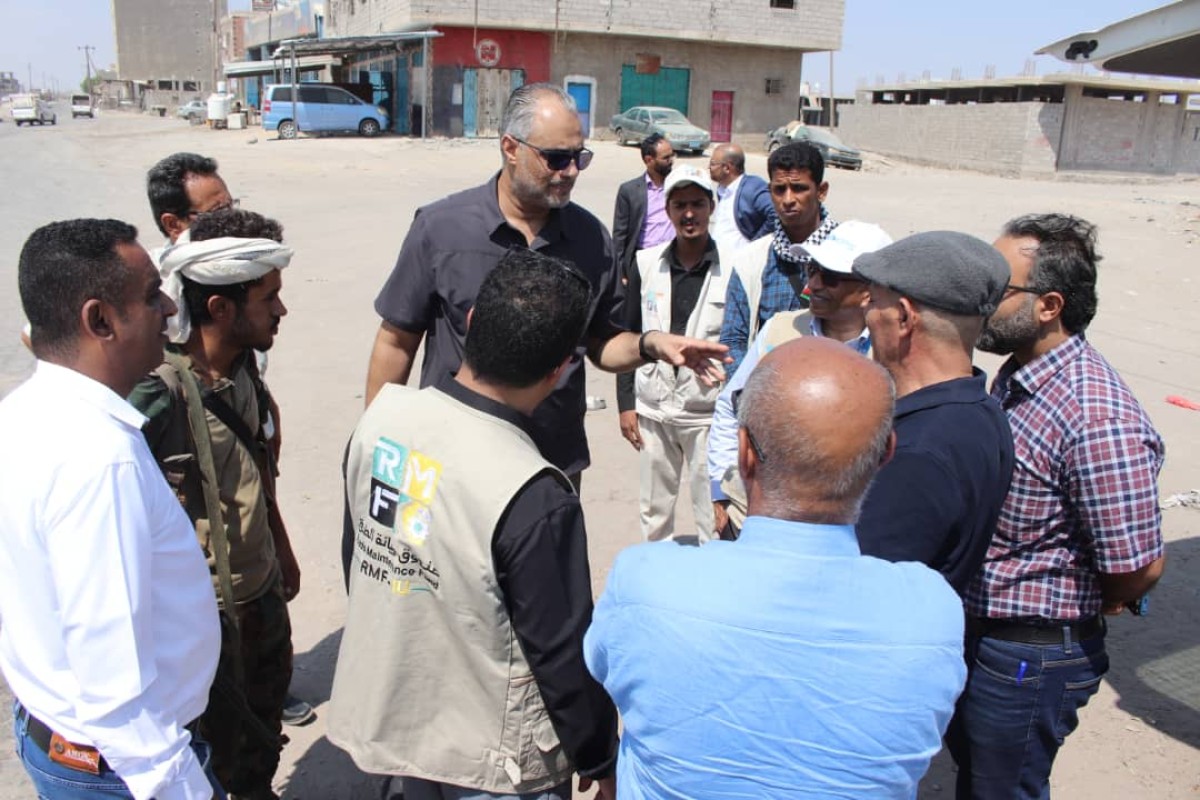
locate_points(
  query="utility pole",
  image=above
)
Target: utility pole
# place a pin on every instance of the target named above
(29, 86)
(87, 57)
(832, 96)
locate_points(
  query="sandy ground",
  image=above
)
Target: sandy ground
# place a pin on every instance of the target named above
(346, 204)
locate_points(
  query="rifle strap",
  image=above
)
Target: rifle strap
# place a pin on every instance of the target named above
(201, 440)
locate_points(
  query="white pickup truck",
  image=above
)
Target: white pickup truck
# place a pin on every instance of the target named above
(29, 108)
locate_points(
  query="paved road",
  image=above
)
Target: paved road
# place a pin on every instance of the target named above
(345, 204)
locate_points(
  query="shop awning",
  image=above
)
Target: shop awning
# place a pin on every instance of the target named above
(345, 45)
(245, 69)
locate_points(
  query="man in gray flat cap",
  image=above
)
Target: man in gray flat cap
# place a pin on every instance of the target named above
(938, 499)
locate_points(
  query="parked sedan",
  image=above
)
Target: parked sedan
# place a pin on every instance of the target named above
(193, 109)
(640, 121)
(832, 148)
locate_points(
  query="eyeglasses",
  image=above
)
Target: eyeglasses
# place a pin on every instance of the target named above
(234, 203)
(735, 400)
(558, 160)
(828, 276)
(1012, 287)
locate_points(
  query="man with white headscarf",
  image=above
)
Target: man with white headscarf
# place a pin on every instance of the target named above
(206, 409)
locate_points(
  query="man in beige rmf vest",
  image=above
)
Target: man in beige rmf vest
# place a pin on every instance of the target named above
(461, 665)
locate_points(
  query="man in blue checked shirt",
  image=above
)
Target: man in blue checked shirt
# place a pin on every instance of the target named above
(768, 275)
(1080, 533)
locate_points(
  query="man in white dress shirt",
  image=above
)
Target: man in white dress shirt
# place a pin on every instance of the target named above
(744, 207)
(110, 635)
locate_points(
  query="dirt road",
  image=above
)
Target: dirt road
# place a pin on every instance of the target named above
(346, 204)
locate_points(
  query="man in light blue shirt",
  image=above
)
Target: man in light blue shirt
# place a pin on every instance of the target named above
(784, 664)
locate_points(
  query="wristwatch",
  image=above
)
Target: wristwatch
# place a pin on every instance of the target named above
(642, 348)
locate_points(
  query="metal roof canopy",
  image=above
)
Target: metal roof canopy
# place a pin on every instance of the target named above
(352, 44)
(1164, 41)
(241, 69)
(289, 48)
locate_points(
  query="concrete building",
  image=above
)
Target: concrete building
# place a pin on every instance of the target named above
(9, 84)
(263, 30)
(732, 66)
(167, 48)
(1032, 126)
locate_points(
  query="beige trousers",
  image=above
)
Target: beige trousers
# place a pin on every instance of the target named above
(665, 449)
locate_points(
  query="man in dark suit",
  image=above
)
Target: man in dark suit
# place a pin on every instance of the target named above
(744, 208)
(640, 217)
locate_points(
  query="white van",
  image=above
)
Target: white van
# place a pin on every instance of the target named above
(29, 108)
(81, 106)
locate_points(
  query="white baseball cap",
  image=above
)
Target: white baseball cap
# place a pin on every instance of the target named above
(683, 175)
(846, 242)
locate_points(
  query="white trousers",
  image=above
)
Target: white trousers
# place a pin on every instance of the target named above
(665, 449)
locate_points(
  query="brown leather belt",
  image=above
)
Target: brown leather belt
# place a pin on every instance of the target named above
(1045, 632)
(41, 735)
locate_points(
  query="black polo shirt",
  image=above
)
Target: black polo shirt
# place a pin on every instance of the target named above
(938, 499)
(685, 291)
(451, 245)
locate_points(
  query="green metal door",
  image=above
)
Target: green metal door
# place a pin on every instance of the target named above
(667, 87)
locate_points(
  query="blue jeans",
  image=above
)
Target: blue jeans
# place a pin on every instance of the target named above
(55, 782)
(418, 789)
(1020, 703)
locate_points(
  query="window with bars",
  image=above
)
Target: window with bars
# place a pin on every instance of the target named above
(783, 4)
(774, 85)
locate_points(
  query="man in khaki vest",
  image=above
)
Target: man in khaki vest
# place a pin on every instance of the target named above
(461, 664)
(835, 312)
(678, 287)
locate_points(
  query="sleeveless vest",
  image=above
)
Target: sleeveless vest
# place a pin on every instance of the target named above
(664, 393)
(431, 681)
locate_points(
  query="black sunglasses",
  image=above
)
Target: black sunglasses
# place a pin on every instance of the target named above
(558, 160)
(735, 400)
(828, 276)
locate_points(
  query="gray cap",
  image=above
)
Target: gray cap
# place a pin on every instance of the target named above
(944, 269)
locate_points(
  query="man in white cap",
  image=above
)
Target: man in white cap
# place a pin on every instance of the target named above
(835, 312)
(665, 412)
(206, 408)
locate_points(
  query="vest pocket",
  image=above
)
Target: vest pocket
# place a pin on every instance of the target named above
(538, 751)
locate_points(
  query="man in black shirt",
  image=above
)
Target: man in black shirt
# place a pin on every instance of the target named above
(938, 499)
(454, 243)
(665, 413)
(466, 541)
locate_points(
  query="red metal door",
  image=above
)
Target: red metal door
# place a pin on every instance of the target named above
(721, 126)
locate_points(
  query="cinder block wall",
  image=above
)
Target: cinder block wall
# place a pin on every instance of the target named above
(1102, 134)
(715, 67)
(812, 25)
(163, 39)
(1187, 157)
(1003, 138)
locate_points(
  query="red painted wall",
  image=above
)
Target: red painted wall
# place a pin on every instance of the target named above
(527, 50)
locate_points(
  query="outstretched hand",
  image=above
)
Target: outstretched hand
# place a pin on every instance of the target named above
(702, 357)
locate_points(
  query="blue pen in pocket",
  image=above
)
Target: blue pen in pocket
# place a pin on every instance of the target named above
(1021, 672)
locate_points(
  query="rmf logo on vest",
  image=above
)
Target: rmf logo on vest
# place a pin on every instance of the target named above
(401, 477)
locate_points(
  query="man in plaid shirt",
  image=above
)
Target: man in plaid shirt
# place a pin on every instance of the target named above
(1079, 535)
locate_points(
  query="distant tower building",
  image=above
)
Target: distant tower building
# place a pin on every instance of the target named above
(168, 40)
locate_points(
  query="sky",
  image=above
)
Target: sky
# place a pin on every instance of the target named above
(880, 37)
